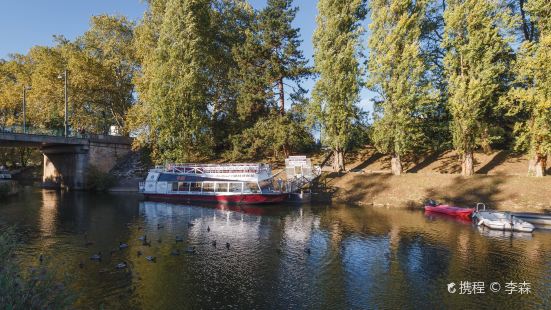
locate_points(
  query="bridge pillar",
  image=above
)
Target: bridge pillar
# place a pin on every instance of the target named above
(65, 166)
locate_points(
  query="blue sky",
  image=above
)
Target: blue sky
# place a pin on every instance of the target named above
(25, 23)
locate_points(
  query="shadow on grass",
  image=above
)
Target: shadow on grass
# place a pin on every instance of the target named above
(468, 191)
(371, 160)
(365, 186)
(425, 162)
(497, 160)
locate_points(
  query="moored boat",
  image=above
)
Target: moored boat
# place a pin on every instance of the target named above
(464, 213)
(500, 220)
(534, 218)
(247, 183)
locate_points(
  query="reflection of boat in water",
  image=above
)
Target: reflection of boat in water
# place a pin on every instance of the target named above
(500, 220)
(226, 183)
(154, 207)
(7, 185)
(444, 216)
(504, 234)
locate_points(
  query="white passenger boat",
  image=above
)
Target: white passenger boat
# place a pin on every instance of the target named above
(247, 183)
(500, 220)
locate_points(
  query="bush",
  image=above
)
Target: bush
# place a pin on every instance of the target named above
(4, 189)
(99, 181)
(37, 290)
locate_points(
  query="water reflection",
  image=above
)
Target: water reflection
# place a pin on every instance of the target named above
(278, 257)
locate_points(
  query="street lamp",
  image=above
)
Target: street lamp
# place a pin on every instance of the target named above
(25, 88)
(64, 76)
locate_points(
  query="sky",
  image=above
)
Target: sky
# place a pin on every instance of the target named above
(25, 23)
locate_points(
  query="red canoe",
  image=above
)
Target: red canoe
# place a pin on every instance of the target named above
(452, 211)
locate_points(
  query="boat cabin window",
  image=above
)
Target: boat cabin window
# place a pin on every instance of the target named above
(208, 187)
(221, 187)
(183, 186)
(195, 187)
(235, 187)
(251, 188)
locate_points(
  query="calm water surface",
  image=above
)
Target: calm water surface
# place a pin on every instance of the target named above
(360, 257)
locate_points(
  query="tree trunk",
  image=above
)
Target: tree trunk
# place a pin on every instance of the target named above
(467, 166)
(538, 165)
(396, 164)
(281, 96)
(338, 161)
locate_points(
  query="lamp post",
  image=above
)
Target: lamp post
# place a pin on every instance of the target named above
(66, 122)
(25, 88)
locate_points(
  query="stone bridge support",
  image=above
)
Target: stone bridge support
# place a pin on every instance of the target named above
(67, 166)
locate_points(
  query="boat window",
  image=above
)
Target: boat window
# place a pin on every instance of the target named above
(222, 187)
(208, 187)
(195, 187)
(175, 186)
(183, 186)
(235, 187)
(251, 188)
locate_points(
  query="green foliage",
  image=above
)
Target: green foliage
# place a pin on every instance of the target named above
(98, 180)
(100, 66)
(271, 136)
(477, 61)
(336, 93)
(529, 101)
(396, 73)
(37, 290)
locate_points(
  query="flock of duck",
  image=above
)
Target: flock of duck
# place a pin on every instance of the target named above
(97, 257)
(145, 242)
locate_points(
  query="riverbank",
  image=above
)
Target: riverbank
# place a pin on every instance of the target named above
(514, 193)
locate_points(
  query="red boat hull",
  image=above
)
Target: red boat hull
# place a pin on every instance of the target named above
(464, 213)
(230, 199)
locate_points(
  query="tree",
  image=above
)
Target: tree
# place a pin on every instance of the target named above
(336, 42)
(396, 73)
(529, 100)
(177, 85)
(108, 43)
(284, 59)
(476, 62)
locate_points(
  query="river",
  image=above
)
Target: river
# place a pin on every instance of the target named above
(279, 257)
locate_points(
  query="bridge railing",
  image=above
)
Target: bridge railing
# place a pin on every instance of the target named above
(60, 132)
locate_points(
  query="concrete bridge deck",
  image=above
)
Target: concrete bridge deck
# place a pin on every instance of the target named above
(67, 160)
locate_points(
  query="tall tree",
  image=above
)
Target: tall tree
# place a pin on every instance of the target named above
(281, 43)
(529, 101)
(336, 93)
(476, 62)
(109, 43)
(396, 73)
(177, 89)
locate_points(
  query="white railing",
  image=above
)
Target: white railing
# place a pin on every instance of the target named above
(214, 168)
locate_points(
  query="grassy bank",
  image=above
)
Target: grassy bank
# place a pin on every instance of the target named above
(497, 191)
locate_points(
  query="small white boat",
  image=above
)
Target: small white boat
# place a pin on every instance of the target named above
(534, 218)
(500, 220)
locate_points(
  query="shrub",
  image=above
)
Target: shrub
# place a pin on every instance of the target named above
(99, 181)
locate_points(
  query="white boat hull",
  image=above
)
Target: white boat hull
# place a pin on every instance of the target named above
(502, 221)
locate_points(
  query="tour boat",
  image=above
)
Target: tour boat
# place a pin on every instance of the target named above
(464, 213)
(248, 183)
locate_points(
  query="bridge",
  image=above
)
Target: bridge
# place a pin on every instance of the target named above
(68, 159)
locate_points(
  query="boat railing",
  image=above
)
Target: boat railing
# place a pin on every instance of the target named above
(217, 168)
(480, 204)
